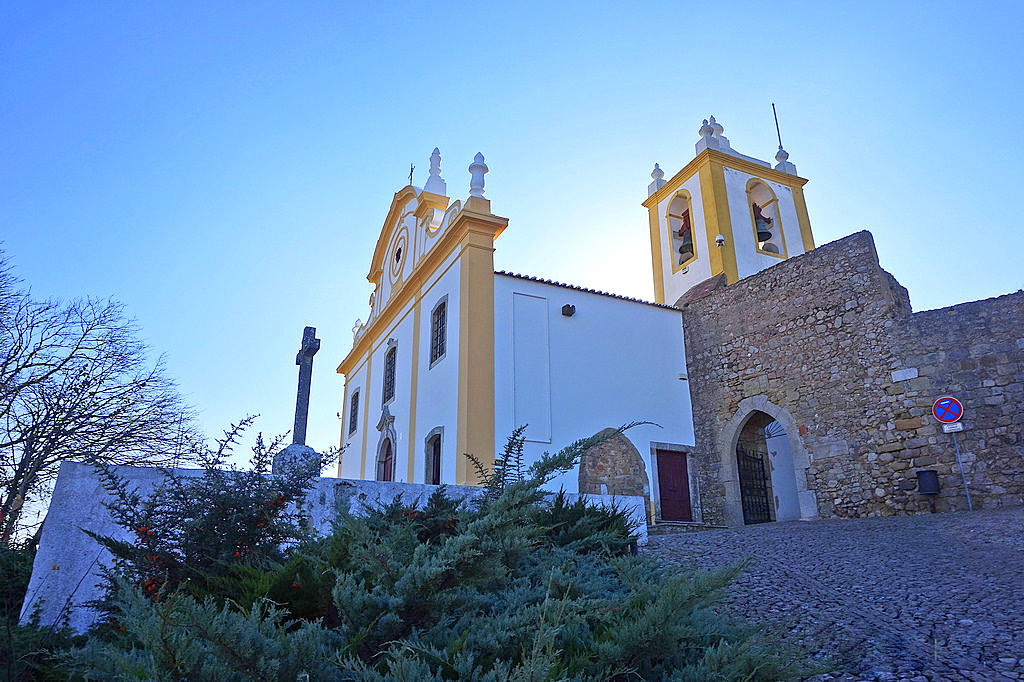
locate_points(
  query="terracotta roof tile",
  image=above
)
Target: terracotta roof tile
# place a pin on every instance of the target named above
(577, 288)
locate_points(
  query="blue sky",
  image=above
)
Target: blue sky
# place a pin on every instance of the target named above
(224, 168)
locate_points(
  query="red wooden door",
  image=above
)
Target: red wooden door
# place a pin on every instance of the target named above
(673, 486)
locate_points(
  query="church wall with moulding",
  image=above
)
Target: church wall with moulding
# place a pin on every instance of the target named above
(597, 359)
(437, 387)
(402, 332)
(415, 383)
(748, 259)
(352, 442)
(676, 284)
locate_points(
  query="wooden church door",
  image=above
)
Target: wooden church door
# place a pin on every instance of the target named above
(673, 486)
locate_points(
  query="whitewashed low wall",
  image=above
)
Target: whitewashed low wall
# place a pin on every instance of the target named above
(67, 568)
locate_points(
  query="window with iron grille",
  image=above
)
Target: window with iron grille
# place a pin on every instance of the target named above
(438, 331)
(389, 375)
(353, 413)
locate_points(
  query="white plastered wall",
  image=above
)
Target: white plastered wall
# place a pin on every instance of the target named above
(614, 361)
(748, 259)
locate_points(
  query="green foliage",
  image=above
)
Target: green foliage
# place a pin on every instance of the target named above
(520, 586)
(211, 534)
(180, 638)
(25, 650)
(584, 527)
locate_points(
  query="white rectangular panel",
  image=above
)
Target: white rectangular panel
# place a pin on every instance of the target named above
(531, 371)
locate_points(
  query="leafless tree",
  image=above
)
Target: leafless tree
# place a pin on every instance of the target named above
(75, 383)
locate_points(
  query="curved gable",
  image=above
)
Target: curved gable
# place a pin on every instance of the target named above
(405, 202)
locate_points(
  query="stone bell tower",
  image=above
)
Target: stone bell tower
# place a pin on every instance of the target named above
(723, 217)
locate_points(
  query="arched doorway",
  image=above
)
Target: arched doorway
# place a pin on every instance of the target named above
(764, 466)
(754, 470)
(386, 462)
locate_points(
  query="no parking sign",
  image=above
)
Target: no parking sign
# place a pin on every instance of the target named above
(947, 409)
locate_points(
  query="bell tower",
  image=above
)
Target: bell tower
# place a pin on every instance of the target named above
(725, 215)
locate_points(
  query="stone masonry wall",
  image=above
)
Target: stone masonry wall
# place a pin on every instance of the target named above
(614, 467)
(828, 339)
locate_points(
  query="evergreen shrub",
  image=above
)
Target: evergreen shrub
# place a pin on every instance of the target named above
(516, 585)
(25, 650)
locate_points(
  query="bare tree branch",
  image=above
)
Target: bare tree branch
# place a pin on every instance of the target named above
(75, 383)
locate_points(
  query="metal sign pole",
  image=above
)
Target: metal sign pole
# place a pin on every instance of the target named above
(963, 477)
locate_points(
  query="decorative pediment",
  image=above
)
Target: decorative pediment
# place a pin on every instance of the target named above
(422, 232)
(402, 206)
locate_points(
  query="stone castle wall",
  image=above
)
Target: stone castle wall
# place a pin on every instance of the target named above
(826, 342)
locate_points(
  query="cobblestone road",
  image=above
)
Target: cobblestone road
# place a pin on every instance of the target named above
(928, 597)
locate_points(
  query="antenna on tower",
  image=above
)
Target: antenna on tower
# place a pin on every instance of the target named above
(782, 156)
(776, 115)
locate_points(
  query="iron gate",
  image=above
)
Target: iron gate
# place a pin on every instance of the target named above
(753, 486)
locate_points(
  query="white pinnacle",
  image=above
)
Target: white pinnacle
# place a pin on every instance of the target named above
(435, 183)
(659, 180)
(716, 126)
(476, 171)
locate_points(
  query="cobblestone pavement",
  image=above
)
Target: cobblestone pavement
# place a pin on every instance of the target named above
(927, 597)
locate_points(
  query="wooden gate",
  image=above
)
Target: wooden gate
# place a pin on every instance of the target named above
(673, 486)
(753, 485)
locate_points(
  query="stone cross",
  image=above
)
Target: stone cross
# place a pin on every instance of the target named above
(304, 359)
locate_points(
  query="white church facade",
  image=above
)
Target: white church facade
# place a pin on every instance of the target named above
(454, 356)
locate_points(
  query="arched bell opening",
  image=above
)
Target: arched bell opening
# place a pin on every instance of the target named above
(680, 225)
(765, 220)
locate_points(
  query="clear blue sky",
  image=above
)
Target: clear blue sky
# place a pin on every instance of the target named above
(224, 168)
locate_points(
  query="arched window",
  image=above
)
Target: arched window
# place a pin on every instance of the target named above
(390, 358)
(764, 219)
(680, 226)
(386, 462)
(353, 413)
(439, 331)
(433, 472)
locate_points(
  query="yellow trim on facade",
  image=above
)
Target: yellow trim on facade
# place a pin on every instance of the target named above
(471, 232)
(413, 388)
(717, 221)
(803, 219)
(449, 241)
(475, 432)
(428, 201)
(380, 341)
(668, 226)
(659, 281)
(366, 415)
(778, 218)
(401, 198)
(723, 159)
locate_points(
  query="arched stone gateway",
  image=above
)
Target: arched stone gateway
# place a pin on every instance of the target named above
(614, 467)
(763, 466)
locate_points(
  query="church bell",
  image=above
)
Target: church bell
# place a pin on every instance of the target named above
(761, 224)
(686, 247)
